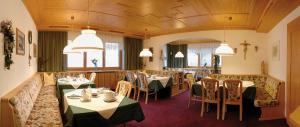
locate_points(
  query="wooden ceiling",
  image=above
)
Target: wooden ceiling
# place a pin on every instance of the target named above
(132, 17)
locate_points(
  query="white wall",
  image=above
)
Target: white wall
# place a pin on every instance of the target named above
(233, 64)
(15, 11)
(278, 69)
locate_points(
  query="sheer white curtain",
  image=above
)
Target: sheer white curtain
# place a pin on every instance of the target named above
(112, 54)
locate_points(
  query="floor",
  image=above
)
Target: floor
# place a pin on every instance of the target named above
(173, 112)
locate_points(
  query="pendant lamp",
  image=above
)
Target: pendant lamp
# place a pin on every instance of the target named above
(87, 41)
(224, 49)
(179, 54)
(68, 48)
(145, 52)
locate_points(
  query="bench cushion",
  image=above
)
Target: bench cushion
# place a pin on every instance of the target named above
(22, 105)
(264, 99)
(45, 112)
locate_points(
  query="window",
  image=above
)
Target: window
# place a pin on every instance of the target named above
(75, 60)
(94, 55)
(112, 54)
(83, 61)
(192, 59)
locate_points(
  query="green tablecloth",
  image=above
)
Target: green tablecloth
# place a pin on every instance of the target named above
(127, 110)
(156, 85)
(249, 92)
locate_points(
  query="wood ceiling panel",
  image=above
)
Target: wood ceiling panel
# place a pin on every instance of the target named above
(160, 16)
(278, 9)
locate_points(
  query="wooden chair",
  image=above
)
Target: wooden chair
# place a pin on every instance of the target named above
(143, 86)
(123, 88)
(132, 79)
(194, 98)
(93, 77)
(190, 80)
(210, 94)
(232, 95)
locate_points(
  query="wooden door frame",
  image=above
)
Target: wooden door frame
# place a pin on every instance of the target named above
(290, 28)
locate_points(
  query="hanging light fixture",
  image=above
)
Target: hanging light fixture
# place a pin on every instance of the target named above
(224, 49)
(69, 46)
(179, 54)
(87, 41)
(145, 52)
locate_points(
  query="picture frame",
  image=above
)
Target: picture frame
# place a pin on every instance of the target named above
(20, 42)
(276, 51)
(35, 50)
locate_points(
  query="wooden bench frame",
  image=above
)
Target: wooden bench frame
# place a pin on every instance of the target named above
(278, 111)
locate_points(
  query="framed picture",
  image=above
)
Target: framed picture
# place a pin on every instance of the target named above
(276, 51)
(34, 50)
(20, 42)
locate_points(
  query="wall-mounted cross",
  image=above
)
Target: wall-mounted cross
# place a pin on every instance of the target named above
(245, 44)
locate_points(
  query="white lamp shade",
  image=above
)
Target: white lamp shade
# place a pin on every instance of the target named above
(179, 55)
(87, 41)
(224, 50)
(68, 48)
(145, 53)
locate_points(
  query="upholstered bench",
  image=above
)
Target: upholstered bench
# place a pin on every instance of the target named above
(270, 95)
(31, 104)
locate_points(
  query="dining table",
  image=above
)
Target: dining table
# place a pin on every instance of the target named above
(249, 89)
(97, 112)
(71, 83)
(157, 83)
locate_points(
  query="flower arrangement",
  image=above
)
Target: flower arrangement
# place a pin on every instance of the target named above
(94, 61)
(7, 30)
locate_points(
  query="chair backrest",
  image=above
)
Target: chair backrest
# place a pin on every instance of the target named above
(124, 88)
(232, 89)
(142, 80)
(130, 77)
(191, 79)
(175, 77)
(92, 77)
(209, 89)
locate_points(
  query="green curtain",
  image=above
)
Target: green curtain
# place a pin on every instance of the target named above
(173, 62)
(132, 49)
(50, 51)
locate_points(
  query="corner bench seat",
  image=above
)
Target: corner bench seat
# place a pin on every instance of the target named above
(270, 94)
(31, 104)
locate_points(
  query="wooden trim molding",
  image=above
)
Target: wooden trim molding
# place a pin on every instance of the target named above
(291, 27)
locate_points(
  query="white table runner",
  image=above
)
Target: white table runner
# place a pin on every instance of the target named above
(163, 80)
(75, 82)
(105, 109)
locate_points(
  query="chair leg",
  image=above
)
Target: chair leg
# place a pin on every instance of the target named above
(223, 111)
(146, 102)
(241, 112)
(134, 93)
(202, 108)
(218, 111)
(207, 108)
(155, 96)
(138, 96)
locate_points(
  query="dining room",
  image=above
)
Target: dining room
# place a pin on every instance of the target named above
(149, 63)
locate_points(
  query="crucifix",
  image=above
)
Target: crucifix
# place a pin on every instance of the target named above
(245, 44)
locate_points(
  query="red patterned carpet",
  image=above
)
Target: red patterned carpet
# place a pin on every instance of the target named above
(173, 112)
